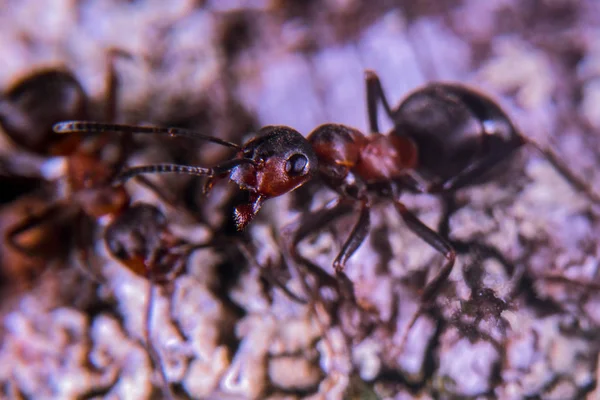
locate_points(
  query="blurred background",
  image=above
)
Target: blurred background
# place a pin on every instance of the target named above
(223, 330)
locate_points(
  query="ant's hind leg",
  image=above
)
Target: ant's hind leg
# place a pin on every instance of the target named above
(436, 241)
(374, 95)
(576, 182)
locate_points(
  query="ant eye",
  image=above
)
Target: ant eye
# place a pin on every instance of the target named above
(296, 165)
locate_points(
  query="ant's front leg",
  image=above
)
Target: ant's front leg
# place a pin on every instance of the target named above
(357, 236)
(310, 223)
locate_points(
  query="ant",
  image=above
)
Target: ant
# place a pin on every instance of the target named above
(28, 109)
(79, 170)
(140, 239)
(445, 137)
(37, 229)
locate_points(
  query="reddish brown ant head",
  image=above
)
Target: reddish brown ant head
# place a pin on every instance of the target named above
(282, 160)
(137, 239)
(276, 162)
(30, 107)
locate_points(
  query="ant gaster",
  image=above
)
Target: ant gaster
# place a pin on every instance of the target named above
(445, 137)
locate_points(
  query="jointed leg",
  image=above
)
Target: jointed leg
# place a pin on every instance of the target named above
(374, 96)
(476, 169)
(577, 183)
(154, 355)
(309, 223)
(267, 274)
(441, 245)
(28, 223)
(357, 236)
(83, 241)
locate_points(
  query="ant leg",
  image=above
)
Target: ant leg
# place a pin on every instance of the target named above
(154, 355)
(374, 95)
(266, 274)
(435, 241)
(357, 236)
(308, 224)
(30, 223)
(441, 245)
(83, 241)
(577, 183)
(166, 197)
(111, 85)
(475, 170)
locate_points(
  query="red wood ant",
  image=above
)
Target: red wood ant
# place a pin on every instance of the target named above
(445, 137)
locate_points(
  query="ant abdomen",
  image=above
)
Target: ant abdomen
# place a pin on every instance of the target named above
(30, 107)
(454, 127)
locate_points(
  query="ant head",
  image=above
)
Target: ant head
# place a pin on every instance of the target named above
(30, 107)
(135, 238)
(276, 162)
(282, 160)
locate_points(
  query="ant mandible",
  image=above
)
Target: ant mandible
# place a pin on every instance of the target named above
(445, 137)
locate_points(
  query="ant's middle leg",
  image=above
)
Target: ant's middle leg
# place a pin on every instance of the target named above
(441, 245)
(84, 239)
(375, 94)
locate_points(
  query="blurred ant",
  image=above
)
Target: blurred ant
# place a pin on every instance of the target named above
(81, 169)
(28, 111)
(445, 137)
(37, 228)
(140, 239)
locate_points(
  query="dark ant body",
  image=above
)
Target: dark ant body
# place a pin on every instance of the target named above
(445, 137)
(31, 106)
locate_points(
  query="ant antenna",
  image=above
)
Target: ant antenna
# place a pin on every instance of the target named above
(227, 166)
(100, 127)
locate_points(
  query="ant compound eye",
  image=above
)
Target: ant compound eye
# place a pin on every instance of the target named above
(296, 165)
